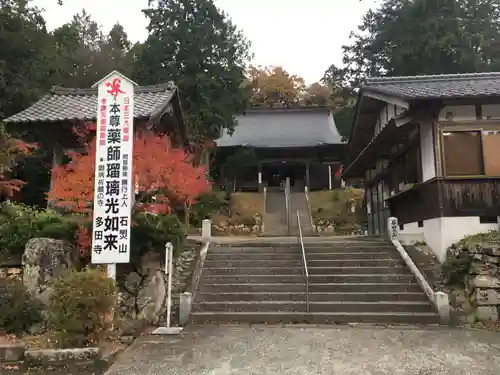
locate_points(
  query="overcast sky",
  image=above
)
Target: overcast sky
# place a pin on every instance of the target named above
(303, 36)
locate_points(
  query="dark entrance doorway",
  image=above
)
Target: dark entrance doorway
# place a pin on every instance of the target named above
(274, 174)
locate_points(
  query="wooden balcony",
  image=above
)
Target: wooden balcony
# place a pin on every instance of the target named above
(447, 197)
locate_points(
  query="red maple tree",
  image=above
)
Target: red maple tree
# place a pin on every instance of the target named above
(161, 174)
(11, 150)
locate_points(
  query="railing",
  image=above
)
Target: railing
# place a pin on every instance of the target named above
(288, 207)
(309, 210)
(304, 260)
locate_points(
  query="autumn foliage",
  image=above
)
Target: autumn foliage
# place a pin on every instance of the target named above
(11, 150)
(162, 175)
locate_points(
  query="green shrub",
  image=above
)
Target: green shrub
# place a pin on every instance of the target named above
(20, 223)
(456, 267)
(18, 310)
(82, 306)
(152, 232)
(248, 221)
(206, 205)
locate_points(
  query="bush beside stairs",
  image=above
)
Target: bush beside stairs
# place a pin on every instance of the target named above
(363, 281)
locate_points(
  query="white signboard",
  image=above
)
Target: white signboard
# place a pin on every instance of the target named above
(113, 190)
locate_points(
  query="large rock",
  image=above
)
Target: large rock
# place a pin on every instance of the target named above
(151, 298)
(44, 260)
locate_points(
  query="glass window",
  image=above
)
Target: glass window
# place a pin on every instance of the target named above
(462, 153)
(491, 150)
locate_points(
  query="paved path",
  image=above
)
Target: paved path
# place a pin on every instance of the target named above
(296, 350)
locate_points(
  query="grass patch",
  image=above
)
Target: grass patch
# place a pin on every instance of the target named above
(329, 204)
(242, 207)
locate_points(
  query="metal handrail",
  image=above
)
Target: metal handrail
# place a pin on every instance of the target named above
(304, 260)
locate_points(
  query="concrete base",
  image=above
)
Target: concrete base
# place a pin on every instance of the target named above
(164, 331)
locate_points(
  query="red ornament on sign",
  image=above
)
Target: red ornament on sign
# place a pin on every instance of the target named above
(115, 88)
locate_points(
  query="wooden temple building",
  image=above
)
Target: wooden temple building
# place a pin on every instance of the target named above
(427, 149)
(50, 120)
(301, 143)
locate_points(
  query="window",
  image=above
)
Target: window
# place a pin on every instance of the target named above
(491, 151)
(471, 153)
(462, 153)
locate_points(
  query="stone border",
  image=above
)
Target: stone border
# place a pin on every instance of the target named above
(61, 356)
(439, 299)
(12, 353)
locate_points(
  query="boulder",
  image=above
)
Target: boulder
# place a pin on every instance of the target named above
(44, 260)
(151, 298)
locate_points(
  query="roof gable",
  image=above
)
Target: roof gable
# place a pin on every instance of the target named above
(69, 104)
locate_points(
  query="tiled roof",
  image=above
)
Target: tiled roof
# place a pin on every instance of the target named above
(283, 128)
(446, 86)
(62, 104)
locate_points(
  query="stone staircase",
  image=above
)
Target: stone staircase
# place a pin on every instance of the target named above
(351, 282)
(275, 215)
(298, 202)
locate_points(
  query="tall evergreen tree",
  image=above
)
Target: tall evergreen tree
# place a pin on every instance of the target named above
(409, 37)
(194, 44)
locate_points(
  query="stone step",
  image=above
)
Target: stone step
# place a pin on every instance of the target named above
(300, 306)
(348, 255)
(299, 270)
(253, 263)
(341, 278)
(223, 263)
(298, 256)
(355, 262)
(254, 250)
(369, 287)
(314, 318)
(315, 296)
(292, 248)
(350, 249)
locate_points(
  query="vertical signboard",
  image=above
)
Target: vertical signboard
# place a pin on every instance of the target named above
(113, 189)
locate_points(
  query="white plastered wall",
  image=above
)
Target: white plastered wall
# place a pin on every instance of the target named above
(442, 232)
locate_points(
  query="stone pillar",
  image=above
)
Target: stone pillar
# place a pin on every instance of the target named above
(443, 306)
(259, 177)
(329, 177)
(206, 230)
(185, 303)
(393, 228)
(307, 176)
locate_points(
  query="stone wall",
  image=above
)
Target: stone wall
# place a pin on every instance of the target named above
(226, 227)
(331, 227)
(143, 287)
(478, 264)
